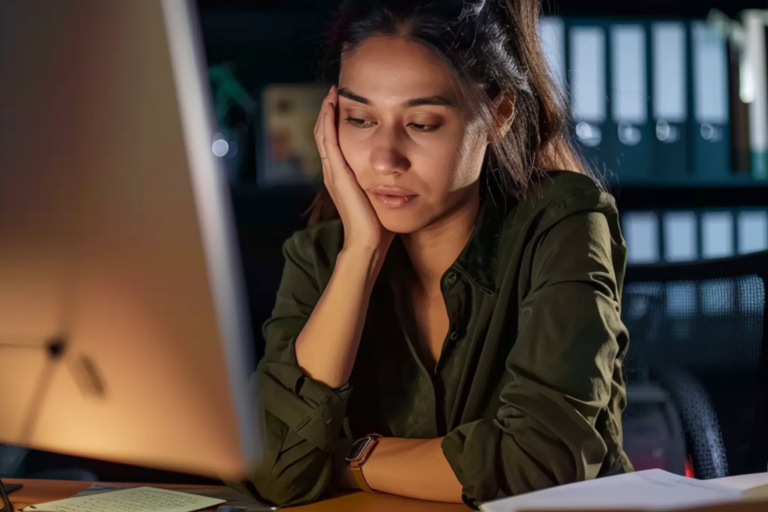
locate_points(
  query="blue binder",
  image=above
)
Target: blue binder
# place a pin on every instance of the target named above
(587, 62)
(629, 134)
(552, 35)
(709, 124)
(669, 99)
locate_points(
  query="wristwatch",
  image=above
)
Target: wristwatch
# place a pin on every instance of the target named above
(358, 454)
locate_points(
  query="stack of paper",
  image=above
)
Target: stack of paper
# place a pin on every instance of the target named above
(137, 499)
(644, 490)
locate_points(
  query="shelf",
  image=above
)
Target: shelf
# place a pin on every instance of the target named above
(693, 182)
(712, 196)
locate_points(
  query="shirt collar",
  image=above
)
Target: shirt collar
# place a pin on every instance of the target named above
(477, 262)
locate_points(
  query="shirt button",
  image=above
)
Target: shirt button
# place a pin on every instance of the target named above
(451, 278)
(454, 336)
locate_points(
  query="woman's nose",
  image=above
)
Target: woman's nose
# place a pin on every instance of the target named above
(388, 158)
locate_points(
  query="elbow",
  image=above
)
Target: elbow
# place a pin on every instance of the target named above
(291, 487)
(538, 461)
(279, 495)
(282, 493)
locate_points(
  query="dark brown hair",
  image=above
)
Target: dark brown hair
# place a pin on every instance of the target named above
(492, 47)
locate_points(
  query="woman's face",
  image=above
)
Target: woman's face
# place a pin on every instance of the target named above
(415, 151)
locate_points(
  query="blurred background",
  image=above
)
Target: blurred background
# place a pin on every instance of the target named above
(669, 100)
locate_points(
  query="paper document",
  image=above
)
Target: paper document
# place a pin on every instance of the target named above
(137, 499)
(653, 489)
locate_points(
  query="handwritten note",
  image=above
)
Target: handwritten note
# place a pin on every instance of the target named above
(137, 499)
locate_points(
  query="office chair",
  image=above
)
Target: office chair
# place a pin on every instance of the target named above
(698, 330)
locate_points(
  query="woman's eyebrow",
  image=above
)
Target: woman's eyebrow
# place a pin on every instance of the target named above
(413, 102)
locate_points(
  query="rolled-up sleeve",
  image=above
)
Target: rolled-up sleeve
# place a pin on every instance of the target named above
(561, 373)
(302, 418)
(307, 407)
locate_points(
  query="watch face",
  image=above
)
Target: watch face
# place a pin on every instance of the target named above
(358, 448)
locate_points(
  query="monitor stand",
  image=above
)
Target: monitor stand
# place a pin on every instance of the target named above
(9, 488)
(5, 490)
(55, 348)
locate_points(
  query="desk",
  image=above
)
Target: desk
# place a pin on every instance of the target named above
(40, 491)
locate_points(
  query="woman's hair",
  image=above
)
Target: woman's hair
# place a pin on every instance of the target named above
(492, 47)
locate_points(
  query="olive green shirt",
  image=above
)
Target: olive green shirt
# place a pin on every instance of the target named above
(529, 388)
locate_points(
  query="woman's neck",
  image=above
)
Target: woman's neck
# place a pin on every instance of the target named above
(434, 249)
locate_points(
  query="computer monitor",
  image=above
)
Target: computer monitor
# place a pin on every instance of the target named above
(123, 331)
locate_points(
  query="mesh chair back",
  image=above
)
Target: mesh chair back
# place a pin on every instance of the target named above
(708, 321)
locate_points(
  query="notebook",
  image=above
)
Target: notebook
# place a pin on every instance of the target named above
(653, 489)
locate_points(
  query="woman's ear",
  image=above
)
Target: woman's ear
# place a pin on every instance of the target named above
(504, 113)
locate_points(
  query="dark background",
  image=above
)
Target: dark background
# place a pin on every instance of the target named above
(283, 41)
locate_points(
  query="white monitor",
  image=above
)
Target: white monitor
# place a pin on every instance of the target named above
(117, 239)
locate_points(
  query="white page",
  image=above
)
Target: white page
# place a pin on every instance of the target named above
(742, 482)
(649, 490)
(137, 499)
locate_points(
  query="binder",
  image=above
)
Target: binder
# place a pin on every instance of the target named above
(739, 85)
(629, 133)
(717, 234)
(552, 35)
(641, 229)
(754, 26)
(710, 129)
(669, 100)
(680, 236)
(586, 60)
(752, 231)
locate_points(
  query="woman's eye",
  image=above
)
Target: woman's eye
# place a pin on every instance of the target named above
(424, 127)
(360, 123)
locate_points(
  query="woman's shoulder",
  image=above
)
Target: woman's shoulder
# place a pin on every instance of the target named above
(558, 194)
(319, 244)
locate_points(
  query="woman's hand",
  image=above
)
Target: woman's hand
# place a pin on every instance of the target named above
(362, 227)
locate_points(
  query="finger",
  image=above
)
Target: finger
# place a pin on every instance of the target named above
(327, 177)
(319, 121)
(333, 95)
(327, 180)
(324, 161)
(319, 132)
(338, 165)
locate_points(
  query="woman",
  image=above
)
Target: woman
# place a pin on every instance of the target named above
(458, 291)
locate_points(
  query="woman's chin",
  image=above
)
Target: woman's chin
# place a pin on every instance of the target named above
(401, 223)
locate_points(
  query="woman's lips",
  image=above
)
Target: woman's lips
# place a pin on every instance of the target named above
(394, 201)
(393, 197)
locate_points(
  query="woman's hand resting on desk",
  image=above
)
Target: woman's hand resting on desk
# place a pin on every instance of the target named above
(414, 468)
(362, 227)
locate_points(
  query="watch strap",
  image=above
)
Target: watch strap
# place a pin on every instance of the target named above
(357, 472)
(356, 465)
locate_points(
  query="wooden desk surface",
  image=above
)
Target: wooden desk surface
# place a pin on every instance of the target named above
(40, 491)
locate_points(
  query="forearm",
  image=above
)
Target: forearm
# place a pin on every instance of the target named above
(415, 468)
(327, 346)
